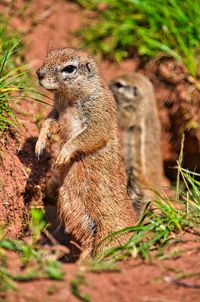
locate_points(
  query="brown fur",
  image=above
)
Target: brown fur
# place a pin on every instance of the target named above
(92, 199)
(140, 122)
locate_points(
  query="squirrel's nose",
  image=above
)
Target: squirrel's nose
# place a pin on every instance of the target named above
(41, 74)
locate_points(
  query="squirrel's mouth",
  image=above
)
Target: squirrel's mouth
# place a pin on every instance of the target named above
(47, 85)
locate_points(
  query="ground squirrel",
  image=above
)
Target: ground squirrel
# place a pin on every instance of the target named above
(93, 200)
(140, 122)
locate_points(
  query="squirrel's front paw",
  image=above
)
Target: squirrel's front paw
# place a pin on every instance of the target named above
(40, 145)
(63, 157)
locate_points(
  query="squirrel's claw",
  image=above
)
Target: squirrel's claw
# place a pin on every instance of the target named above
(39, 147)
(63, 157)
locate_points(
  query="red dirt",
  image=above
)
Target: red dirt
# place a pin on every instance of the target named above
(157, 281)
(20, 171)
(23, 178)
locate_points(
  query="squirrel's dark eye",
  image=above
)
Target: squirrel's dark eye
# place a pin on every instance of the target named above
(69, 69)
(119, 85)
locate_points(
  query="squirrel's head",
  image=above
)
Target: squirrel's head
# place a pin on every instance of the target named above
(126, 89)
(129, 91)
(68, 70)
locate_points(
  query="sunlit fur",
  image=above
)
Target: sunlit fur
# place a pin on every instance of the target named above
(93, 200)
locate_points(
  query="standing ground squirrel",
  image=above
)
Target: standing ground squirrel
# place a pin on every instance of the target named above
(93, 200)
(140, 122)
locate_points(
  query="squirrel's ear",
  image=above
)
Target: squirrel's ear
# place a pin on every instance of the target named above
(90, 68)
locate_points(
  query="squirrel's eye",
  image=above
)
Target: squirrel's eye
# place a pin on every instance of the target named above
(119, 85)
(69, 68)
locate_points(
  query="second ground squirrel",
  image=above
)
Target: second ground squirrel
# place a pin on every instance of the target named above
(93, 200)
(140, 122)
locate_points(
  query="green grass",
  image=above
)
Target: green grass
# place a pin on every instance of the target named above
(15, 80)
(76, 282)
(13, 73)
(160, 223)
(37, 262)
(122, 28)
